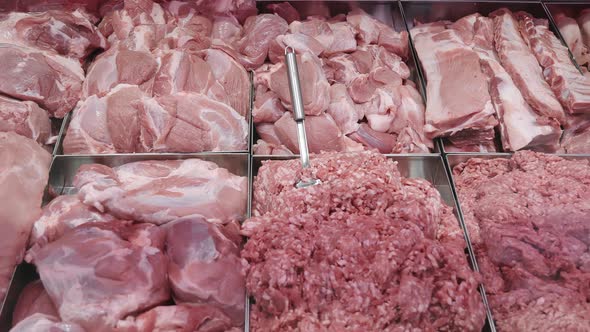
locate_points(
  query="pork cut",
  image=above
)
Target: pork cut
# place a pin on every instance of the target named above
(24, 169)
(205, 266)
(233, 78)
(68, 33)
(572, 35)
(521, 64)
(571, 88)
(45, 323)
(33, 300)
(162, 191)
(25, 118)
(325, 258)
(96, 278)
(259, 31)
(51, 80)
(60, 215)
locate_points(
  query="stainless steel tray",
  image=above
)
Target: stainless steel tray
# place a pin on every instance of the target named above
(388, 12)
(428, 167)
(430, 11)
(63, 170)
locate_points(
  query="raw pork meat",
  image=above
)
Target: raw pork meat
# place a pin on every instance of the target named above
(180, 318)
(322, 133)
(259, 32)
(60, 215)
(576, 136)
(351, 227)
(126, 120)
(71, 34)
(527, 218)
(96, 278)
(25, 118)
(205, 266)
(569, 85)
(457, 90)
(52, 81)
(24, 169)
(45, 323)
(233, 77)
(33, 300)
(520, 63)
(569, 29)
(162, 191)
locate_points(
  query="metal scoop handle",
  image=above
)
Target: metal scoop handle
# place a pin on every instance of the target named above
(297, 102)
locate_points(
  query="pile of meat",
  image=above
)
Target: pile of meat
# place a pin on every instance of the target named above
(506, 74)
(41, 72)
(528, 221)
(355, 85)
(146, 246)
(24, 169)
(576, 33)
(366, 250)
(162, 85)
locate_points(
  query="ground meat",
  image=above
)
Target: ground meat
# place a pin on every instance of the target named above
(529, 219)
(367, 250)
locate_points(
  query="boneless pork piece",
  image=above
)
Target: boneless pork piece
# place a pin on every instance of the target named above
(162, 191)
(45, 323)
(24, 169)
(68, 33)
(33, 300)
(365, 248)
(96, 278)
(51, 80)
(527, 218)
(205, 266)
(259, 31)
(25, 118)
(60, 215)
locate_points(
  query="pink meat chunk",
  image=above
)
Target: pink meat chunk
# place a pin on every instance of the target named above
(24, 170)
(571, 88)
(520, 126)
(576, 136)
(52, 81)
(286, 11)
(162, 191)
(323, 133)
(267, 106)
(452, 70)
(96, 278)
(259, 32)
(71, 34)
(120, 66)
(183, 318)
(205, 267)
(45, 323)
(61, 215)
(521, 64)
(527, 220)
(368, 215)
(371, 31)
(233, 78)
(342, 109)
(33, 300)
(314, 92)
(570, 30)
(299, 42)
(25, 118)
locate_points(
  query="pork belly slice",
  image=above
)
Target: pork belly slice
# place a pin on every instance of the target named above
(569, 85)
(518, 60)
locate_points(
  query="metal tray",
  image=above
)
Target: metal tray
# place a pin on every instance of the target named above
(61, 176)
(388, 12)
(429, 167)
(453, 160)
(430, 11)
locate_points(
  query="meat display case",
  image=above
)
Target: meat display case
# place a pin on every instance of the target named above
(430, 168)
(431, 11)
(61, 176)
